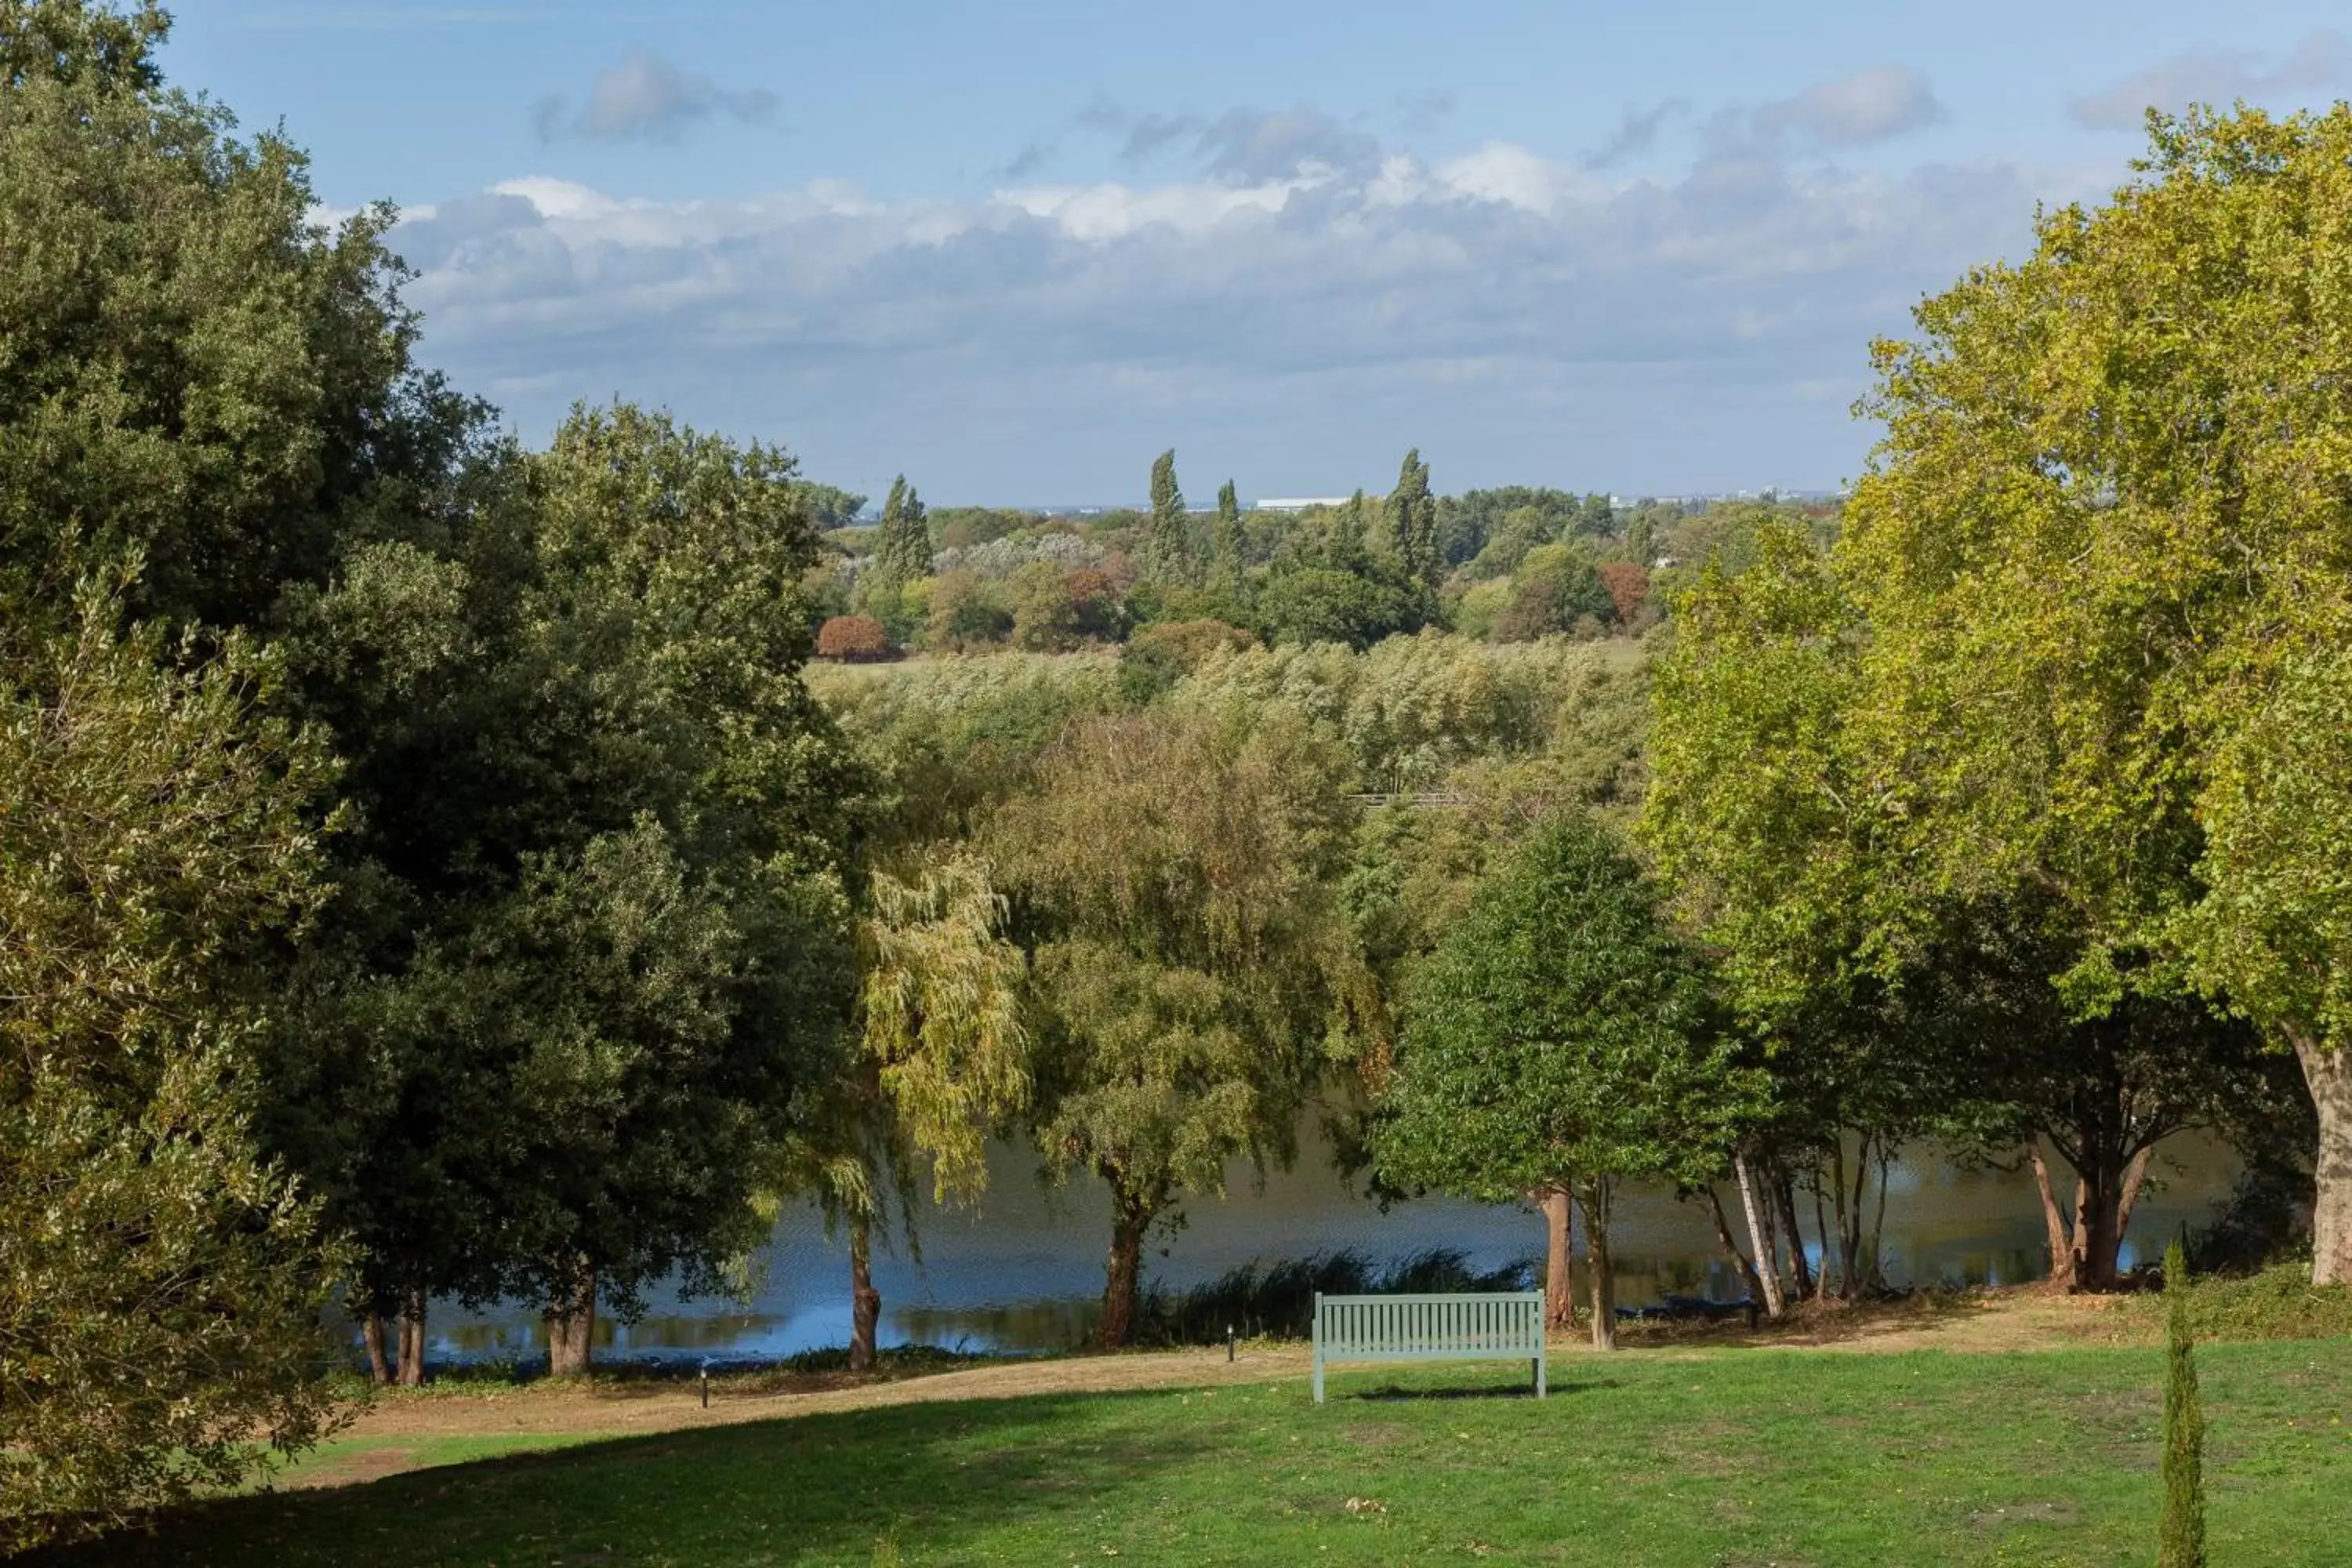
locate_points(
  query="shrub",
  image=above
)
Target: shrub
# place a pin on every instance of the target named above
(2181, 1533)
(853, 639)
(965, 613)
(1278, 1302)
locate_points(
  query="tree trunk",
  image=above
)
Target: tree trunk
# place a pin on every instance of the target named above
(1800, 1267)
(1877, 1252)
(2127, 1199)
(2095, 1241)
(1559, 1287)
(1766, 1275)
(1122, 1281)
(572, 1323)
(864, 1301)
(1849, 1222)
(1592, 1197)
(371, 1336)
(1820, 1232)
(2054, 1220)
(411, 1338)
(1747, 1271)
(2329, 1075)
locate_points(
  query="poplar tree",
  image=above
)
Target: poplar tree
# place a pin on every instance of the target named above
(1413, 522)
(1167, 537)
(902, 545)
(1225, 539)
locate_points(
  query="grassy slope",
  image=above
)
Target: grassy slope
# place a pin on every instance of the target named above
(1715, 1458)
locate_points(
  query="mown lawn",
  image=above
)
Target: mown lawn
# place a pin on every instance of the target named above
(1704, 1460)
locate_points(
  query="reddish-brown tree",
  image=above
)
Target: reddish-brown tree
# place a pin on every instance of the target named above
(1628, 585)
(853, 639)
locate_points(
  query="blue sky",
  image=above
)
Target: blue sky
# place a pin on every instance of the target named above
(1014, 249)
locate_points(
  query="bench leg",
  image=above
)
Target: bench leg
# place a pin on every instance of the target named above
(1318, 1379)
(1540, 1377)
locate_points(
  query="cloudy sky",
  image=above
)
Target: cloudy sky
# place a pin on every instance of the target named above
(1015, 248)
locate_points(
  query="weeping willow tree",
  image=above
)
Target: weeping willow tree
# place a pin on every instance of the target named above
(943, 1062)
(1177, 880)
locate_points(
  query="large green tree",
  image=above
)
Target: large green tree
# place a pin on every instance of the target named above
(160, 1283)
(592, 941)
(197, 376)
(2103, 556)
(208, 400)
(1561, 1040)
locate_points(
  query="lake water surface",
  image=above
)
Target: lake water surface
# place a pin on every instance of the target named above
(1024, 1270)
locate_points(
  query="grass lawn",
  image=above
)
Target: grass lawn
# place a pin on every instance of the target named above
(1704, 1460)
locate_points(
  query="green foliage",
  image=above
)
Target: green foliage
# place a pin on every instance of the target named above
(2181, 1531)
(1228, 547)
(1472, 523)
(1757, 811)
(940, 1007)
(1557, 589)
(1168, 555)
(1192, 971)
(966, 613)
(829, 506)
(1356, 604)
(1560, 1032)
(160, 1281)
(2278, 1303)
(2101, 554)
(902, 543)
(1412, 524)
(198, 379)
(590, 941)
(949, 737)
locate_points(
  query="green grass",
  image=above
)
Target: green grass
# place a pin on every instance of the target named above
(1719, 1460)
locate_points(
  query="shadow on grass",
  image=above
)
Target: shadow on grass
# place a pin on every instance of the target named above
(1814, 1323)
(816, 1488)
(1390, 1392)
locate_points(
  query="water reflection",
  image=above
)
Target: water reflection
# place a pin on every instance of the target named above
(1022, 1272)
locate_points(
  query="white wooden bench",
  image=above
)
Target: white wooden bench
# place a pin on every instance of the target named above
(1429, 1328)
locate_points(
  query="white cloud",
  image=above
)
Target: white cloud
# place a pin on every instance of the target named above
(1852, 111)
(1108, 211)
(2220, 77)
(1523, 315)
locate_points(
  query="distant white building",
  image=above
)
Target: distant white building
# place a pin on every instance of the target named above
(1296, 503)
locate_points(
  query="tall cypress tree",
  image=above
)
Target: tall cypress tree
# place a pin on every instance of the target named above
(1412, 521)
(1168, 543)
(2182, 1535)
(1225, 539)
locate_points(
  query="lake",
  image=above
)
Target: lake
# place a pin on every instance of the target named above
(1023, 1271)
